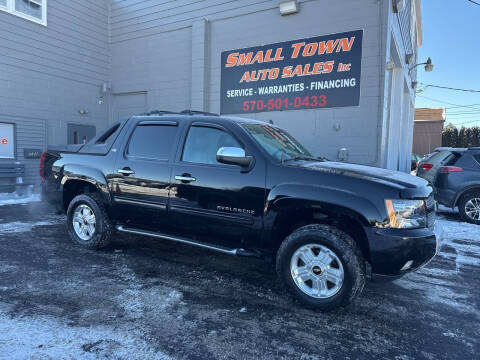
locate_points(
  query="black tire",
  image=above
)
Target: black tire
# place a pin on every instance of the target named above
(474, 194)
(104, 227)
(343, 246)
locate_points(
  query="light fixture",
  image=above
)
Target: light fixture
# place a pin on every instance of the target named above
(428, 65)
(83, 112)
(288, 7)
(398, 5)
(390, 65)
(343, 154)
(105, 87)
(409, 58)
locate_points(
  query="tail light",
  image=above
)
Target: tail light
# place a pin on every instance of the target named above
(42, 166)
(426, 166)
(450, 169)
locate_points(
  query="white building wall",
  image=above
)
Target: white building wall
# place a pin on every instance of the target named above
(48, 73)
(147, 38)
(170, 54)
(166, 55)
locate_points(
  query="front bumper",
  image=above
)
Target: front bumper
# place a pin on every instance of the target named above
(396, 252)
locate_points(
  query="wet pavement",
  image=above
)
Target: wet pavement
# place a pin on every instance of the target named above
(145, 298)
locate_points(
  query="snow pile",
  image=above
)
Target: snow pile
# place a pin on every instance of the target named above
(136, 299)
(461, 248)
(18, 226)
(48, 338)
(465, 239)
(13, 199)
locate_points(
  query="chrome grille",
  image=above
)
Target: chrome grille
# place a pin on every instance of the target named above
(430, 208)
(430, 203)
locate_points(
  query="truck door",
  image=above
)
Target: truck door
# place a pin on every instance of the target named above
(142, 174)
(214, 202)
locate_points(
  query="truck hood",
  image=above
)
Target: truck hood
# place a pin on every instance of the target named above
(388, 177)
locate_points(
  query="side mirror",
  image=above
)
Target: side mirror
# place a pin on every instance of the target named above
(234, 156)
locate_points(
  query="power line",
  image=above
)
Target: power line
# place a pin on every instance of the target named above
(474, 2)
(465, 122)
(449, 103)
(449, 88)
(463, 112)
(453, 118)
(459, 122)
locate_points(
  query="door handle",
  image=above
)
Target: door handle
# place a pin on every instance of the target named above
(126, 171)
(185, 179)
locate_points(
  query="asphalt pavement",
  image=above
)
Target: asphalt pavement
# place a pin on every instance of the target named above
(146, 298)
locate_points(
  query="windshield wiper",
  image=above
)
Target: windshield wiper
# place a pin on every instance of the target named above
(304, 157)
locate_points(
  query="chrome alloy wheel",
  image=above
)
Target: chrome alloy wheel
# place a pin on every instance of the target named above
(317, 271)
(84, 222)
(472, 208)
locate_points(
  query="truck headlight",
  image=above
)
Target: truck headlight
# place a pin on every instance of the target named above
(406, 214)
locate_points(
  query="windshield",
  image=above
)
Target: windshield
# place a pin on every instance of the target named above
(278, 143)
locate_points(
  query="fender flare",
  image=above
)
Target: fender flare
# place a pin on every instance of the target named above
(321, 194)
(86, 174)
(467, 188)
(290, 196)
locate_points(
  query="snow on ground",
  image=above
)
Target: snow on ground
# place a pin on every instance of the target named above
(144, 300)
(13, 198)
(19, 226)
(458, 235)
(47, 338)
(461, 245)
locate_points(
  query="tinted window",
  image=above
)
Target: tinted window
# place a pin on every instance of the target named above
(203, 143)
(477, 158)
(153, 141)
(437, 158)
(103, 139)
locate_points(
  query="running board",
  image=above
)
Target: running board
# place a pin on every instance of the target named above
(221, 249)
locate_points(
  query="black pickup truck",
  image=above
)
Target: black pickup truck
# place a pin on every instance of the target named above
(246, 188)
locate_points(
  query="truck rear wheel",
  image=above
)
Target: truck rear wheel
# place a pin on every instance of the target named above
(321, 266)
(88, 222)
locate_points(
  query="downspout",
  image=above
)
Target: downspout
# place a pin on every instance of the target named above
(381, 129)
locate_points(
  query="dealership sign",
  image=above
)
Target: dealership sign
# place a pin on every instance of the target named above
(318, 72)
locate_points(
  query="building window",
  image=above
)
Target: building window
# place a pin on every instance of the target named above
(33, 10)
(7, 141)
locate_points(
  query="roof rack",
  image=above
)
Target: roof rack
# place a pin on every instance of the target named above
(448, 148)
(158, 112)
(195, 112)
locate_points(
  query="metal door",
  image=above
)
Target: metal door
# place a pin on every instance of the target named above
(140, 186)
(215, 202)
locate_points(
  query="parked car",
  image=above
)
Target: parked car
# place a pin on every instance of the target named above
(246, 188)
(430, 164)
(457, 183)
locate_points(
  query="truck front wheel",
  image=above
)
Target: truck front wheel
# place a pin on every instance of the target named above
(321, 266)
(88, 222)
